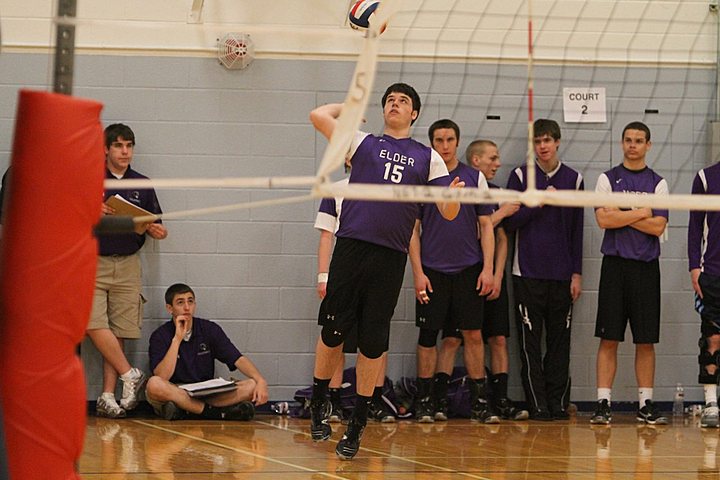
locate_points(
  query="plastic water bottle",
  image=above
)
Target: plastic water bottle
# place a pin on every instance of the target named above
(679, 401)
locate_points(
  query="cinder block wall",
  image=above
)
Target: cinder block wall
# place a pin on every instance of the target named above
(254, 270)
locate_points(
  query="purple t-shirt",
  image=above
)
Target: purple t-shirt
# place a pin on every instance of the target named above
(704, 227)
(628, 242)
(548, 239)
(388, 161)
(452, 246)
(128, 243)
(196, 357)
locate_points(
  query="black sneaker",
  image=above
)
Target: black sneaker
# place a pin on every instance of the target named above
(424, 410)
(349, 444)
(507, 411)
(441, 409)
(650, 415)
(602, 415)
(484, 412)
(319, 417)
(380, 412)
(240, 411)
(337, 414)
(170, 411)
(541, 415)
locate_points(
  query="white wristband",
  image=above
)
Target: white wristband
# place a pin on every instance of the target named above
(322, 277)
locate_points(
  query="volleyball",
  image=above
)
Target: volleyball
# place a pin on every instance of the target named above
(360, 13)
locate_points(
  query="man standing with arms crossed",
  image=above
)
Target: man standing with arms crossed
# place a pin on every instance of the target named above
(630, 276)
(117, 303)
(368, 263)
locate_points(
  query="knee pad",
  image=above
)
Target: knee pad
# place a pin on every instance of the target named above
(706, 358)
(372, 346)
(428, 337)
(331, 337)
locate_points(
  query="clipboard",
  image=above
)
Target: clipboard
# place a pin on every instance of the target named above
(123, 207)
(209, 387)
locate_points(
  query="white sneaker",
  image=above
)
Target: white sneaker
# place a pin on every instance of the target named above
(132, 389)
(710, 416)
(108, 407)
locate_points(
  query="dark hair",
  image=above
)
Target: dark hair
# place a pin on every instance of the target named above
(118, 130)
(176, 289)
(637, 126)
(444, 123)
(545, 126)
(405, 89)
(477, 147)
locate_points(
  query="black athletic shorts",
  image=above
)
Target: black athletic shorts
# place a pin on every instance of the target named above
(710, 311)
(629, 290)
(454, 302)
(496, 321)
(362, 291)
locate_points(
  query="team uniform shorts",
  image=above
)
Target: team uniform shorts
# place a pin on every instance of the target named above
(629, 291)
(363, 288)
(117, 302)
(710, 312)
(496, 321)
(454, 302)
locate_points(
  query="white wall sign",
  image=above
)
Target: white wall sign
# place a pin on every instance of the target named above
(584, 105)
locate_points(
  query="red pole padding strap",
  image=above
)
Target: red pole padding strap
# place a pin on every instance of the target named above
(48, 258)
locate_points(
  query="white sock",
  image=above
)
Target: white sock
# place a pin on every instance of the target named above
(710, 393)
(604, 394)
(645, 393)
(108, 396)
(129, 375)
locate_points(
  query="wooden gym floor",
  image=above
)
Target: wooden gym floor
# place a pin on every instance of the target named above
(275, 447)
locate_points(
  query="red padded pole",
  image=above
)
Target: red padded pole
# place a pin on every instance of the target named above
(48, 258)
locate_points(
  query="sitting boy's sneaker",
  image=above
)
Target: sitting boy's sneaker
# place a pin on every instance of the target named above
(507, 411)
(108, 407)
(319, 417)
(650, 415)
(349, 445)
(132, 388)
(244, 411)
(602, 415)
(170, 411)
(710, 417)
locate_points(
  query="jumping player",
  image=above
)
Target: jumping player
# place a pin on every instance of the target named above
(547, 280)
(327, 224)
(368, 262)
(630, 275)
(452, 276)
(704, 258)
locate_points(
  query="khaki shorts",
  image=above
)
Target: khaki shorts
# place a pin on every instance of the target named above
(118, 303)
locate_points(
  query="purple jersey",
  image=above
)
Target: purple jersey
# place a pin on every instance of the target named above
(452, 246)
(628, 242)
(704, 227)
(388, 161)
(196, 357)
(548, 239)
(128, 243)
